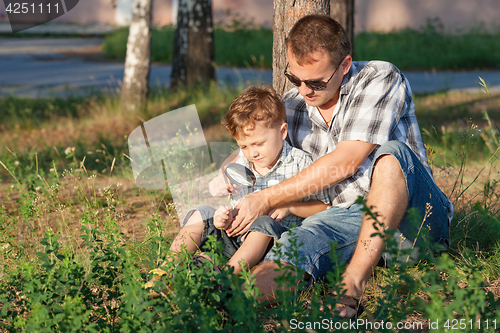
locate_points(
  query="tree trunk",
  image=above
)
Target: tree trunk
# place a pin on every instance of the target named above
(193, 59)
(342, 11)
(137, 62)
(286, 13)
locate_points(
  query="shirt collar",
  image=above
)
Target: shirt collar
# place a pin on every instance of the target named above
(347, 81)
(344, 90)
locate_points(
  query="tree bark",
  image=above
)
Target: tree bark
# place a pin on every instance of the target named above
(342, 11)
(137, 62)
(286, 13)
(193, 59)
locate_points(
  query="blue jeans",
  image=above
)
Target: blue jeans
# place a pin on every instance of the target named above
(342, 225)
(264, 225)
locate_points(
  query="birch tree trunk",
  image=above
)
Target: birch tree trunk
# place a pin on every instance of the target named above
(342, 11)
(193, 59)
(137, 62)
(286, 13)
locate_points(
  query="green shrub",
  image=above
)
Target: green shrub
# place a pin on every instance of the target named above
(239, 47)
(243, 45)
(431, 48)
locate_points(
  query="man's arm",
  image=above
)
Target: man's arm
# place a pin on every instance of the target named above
(328, 170)
(298, 208)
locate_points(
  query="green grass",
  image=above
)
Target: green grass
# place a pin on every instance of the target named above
(241, 47)
(29, 112)
(424, 49)
(26, 123)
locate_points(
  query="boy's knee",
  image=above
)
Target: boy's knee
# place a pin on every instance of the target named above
(194, 219)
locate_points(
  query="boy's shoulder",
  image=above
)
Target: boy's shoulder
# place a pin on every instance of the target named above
(295, 154)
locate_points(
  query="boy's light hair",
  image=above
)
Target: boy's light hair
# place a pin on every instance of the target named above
(254, 104)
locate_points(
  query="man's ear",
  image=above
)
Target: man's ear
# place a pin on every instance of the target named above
(346, 64)
(284, 131)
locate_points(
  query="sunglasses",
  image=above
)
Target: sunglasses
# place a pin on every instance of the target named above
(316, 85)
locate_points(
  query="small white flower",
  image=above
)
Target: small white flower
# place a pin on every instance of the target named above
(69, 150)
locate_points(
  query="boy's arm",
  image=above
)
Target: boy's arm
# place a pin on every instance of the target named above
(298, 208)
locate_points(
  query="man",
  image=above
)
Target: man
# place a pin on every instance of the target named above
(357, 120)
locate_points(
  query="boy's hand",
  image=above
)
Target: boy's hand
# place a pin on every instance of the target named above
(221, 186)
(279, 213)
(222, 218)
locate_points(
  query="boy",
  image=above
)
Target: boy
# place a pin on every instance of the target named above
(257, 121)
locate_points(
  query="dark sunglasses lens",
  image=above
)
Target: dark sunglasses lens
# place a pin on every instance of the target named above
(296, 82)
(314, 85)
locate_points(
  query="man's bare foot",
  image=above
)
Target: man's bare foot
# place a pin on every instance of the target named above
(349, 307)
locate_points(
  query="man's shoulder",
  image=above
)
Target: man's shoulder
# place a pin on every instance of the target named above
(293, 100)
(374, 67)
(291, 94)
(373, 75)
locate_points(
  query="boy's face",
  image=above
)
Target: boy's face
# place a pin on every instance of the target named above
(262, 145)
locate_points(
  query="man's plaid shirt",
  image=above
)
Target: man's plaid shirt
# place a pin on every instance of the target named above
(375, 105)
(290, 163)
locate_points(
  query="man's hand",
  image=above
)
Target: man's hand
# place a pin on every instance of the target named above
(279, 213)
(250, 208)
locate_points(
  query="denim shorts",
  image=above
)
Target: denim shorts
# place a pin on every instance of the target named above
(341, 225)
(264, 225)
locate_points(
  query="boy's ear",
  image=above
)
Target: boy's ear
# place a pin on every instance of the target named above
(284, 131)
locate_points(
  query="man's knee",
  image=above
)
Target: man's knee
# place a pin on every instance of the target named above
(265, 269)
(393, 158)
(386, 167)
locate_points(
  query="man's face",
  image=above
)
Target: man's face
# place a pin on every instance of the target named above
(319, 69)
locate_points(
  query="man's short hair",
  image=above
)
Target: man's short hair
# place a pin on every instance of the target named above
(314, 32)
(254, 104)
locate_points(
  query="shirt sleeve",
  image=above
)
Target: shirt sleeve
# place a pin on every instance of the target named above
(303, 161)
(375, 104)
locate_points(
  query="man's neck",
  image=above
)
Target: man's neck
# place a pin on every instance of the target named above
(326, 110)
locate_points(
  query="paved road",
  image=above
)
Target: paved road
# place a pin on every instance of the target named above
(41, 67)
